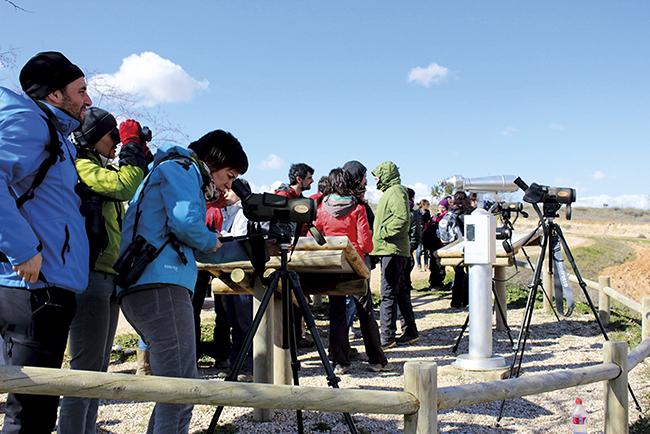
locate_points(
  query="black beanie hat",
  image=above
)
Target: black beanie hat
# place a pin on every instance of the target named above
(356, 169)
(97, 123)
(47, 72)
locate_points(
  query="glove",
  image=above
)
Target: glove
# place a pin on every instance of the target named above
(130, 132)
(132, 154)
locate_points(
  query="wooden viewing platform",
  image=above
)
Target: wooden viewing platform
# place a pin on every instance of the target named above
(332, 269)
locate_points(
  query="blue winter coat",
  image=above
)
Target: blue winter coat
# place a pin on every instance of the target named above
(52, 217)
(173, 202)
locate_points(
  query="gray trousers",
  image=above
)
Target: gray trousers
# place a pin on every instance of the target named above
(163, 317)
(394, 294)
(91, 338)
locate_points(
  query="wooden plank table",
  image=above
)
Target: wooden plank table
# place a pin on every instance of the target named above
(452, 255)
(332, 269)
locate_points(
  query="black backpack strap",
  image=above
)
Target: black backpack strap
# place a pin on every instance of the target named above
(171, 238)
(55, 151)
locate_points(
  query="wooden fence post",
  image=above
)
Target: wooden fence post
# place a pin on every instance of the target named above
(262, 350)
(616, 399)
(547, 283)
(603, 300)
(645, 318)
(421, 380)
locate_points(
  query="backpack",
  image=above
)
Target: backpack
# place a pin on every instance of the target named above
(447, 228)
(429, 235)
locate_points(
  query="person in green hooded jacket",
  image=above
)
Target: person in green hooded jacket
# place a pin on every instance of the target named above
(103, 190)
(390, 239)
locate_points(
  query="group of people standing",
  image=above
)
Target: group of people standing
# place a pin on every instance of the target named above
(438, 230)
(72, 255)
(65, 238)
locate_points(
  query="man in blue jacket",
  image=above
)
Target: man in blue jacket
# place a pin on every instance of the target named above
(43, 244)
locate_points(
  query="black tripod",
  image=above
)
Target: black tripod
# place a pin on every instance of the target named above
(466, 323)
(290, 286)
(550, 229)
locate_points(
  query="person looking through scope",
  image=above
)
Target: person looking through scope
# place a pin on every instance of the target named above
(164, 229)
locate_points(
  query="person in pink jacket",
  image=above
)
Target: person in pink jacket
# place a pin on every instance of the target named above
(340, 213)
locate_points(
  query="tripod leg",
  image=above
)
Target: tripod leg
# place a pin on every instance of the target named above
(583, 286)
(460, 335)
(501, 314)
(528, 314)
(289, 332)
(247, 345)
(530, 264)
(332, 379)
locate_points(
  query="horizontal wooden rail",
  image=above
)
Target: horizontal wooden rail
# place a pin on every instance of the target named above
(623, 299)
(611, 292)
(638, 354)
(86, 384)
(470, 394)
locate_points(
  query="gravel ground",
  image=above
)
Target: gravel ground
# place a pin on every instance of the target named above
(575, 342)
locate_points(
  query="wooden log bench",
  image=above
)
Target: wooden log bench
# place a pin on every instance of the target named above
(332, 269)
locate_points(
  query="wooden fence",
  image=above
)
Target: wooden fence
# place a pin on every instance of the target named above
(419, 403)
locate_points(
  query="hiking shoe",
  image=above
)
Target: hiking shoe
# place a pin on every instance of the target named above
(245, 378)
(389, 344)
(354, 354)
(221, 364)
(378, 367)
(341, 369)
(407, 340)
(304, 343)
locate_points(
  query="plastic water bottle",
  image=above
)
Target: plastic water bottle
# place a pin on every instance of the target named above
(579, 419)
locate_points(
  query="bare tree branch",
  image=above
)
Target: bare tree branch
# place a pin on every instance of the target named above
(124, 105)
(8, 58)
(17, 7)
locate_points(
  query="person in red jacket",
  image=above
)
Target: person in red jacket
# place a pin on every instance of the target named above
(340, 213)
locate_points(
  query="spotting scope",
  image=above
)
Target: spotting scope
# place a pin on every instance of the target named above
(497, 183)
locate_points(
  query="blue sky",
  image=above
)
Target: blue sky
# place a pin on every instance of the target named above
(556, 92)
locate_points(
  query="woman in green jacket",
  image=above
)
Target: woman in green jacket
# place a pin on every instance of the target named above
(103, 190)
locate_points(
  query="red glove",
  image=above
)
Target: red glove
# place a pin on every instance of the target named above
(130, 132)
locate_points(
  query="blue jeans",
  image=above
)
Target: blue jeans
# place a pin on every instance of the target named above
(421, 253)
(163, 317)
(91, 338)
(394, 293)
(350, 310)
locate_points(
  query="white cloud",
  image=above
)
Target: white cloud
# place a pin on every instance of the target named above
(556, 126)
(599, 174)
(422, 191)
(641, 201)
(272, 162)
(432, 74)
(508, 131)
(265, 188)
(373, 194)
(150, 80)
